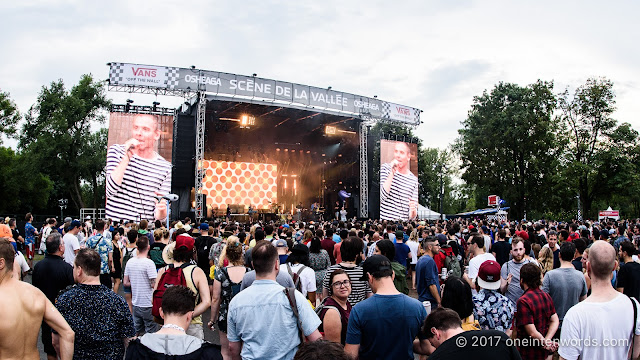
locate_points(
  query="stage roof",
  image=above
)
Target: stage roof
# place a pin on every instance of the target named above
(252, 89)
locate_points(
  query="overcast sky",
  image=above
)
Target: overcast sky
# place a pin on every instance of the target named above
(432, 55)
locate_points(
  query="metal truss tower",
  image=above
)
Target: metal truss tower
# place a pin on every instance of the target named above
(364, 170)
(200, 124)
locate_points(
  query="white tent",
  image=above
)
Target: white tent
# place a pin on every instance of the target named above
(424, 213)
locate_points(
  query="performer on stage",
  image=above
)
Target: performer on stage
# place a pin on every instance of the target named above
(398, 187)
(336, 210)
(137, 175)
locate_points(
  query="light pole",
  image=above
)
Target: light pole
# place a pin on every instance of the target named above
(443, 168)
(63, 205)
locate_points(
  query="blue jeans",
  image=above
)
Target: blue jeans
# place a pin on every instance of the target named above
(143, 320)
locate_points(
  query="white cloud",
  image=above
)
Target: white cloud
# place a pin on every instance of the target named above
(433, 55)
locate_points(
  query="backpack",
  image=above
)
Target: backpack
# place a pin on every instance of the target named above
(155, 254)
(126, 257)
(235, 287)
(453, 265)
(323, 306)
(296, 276)
(172, 276)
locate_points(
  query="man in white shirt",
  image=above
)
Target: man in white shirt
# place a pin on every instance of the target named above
(476, 247)
(601, 327)
(71, 243)
(295, 265)
(140, 274)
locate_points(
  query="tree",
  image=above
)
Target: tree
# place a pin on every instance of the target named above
(9, 115)
(23, 187)
(434, 166)
(57, 135)
(598, 156)
(508, 147)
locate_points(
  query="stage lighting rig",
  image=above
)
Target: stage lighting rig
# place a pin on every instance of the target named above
(330, 130)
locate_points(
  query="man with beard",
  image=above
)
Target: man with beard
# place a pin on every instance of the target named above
(510, 271)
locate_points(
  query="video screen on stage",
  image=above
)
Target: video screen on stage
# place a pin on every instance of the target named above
(138, 170)
(240, 183)
(398, 180)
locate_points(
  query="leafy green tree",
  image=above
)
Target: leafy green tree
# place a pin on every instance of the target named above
(435, 168)
(600, 156)
(23, 187)
(508, 146)
(9, 115)
(57, 136)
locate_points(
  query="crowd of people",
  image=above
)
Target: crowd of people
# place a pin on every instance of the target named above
(326, 290)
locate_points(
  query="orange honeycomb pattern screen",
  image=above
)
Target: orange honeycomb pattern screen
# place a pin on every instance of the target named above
(240, 183)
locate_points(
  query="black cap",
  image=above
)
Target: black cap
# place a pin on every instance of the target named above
(374, 264)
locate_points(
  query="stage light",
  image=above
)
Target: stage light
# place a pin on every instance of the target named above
(329, 88)
(127, 107)
(254, 74)
(324, 155)
(155, 105)
(339, 155)
(330, 130)
(193, 67)
(286, 150)
(244, 120)
(308, 151)
(277, 149)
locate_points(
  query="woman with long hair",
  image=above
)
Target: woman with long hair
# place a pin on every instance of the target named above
(456, 295)
(307, 236)
(116, 270)
(319, 260)
(336, 308)
(226, 284)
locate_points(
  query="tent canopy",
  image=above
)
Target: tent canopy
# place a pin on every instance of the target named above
(425, 213)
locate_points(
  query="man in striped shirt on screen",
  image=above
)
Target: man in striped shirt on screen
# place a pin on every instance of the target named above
(137, 175)
(398, 186)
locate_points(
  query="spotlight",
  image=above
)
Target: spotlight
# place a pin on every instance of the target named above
(329, 88)
(254, 74)
(155, 105)
(330, 130)
(277, 149)
(193, 67)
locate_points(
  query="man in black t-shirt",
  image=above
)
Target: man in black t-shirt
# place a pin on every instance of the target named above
(443, 330)
(501, 248)
(629, 274)
(203, 244)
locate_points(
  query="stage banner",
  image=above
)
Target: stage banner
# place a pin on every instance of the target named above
(241, 87)
(398, 180)
(138, 171)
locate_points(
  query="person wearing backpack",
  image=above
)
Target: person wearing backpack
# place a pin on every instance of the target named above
(226, 284)
(161, 240)
(302, 274)
(104, 247)
(193, 277)
(334, 310)
(388, 249)
(128, 252)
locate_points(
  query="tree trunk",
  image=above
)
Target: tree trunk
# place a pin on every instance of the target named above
(76, 194)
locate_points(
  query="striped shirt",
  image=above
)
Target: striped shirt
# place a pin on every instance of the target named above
(359, 288)
(141, 273)
(394, 205)
(135, 199)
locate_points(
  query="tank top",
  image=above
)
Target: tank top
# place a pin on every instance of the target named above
(188, 275)
(344, 317)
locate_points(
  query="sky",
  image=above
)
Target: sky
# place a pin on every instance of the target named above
(431, 55)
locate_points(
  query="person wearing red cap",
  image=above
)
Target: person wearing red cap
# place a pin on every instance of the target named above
(492, 309)
(196, 281)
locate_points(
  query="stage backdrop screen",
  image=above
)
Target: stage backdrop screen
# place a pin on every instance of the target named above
(240, 183)
(138, 170)
(398, 180)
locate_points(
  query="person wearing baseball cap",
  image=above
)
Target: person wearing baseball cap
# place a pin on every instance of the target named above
(283, 248)
(395, 313)
(492, 309)
(181, 255)
(71, 243)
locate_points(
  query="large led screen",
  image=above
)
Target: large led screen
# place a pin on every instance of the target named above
(138, 171)
(398, 180)
(240, 183)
